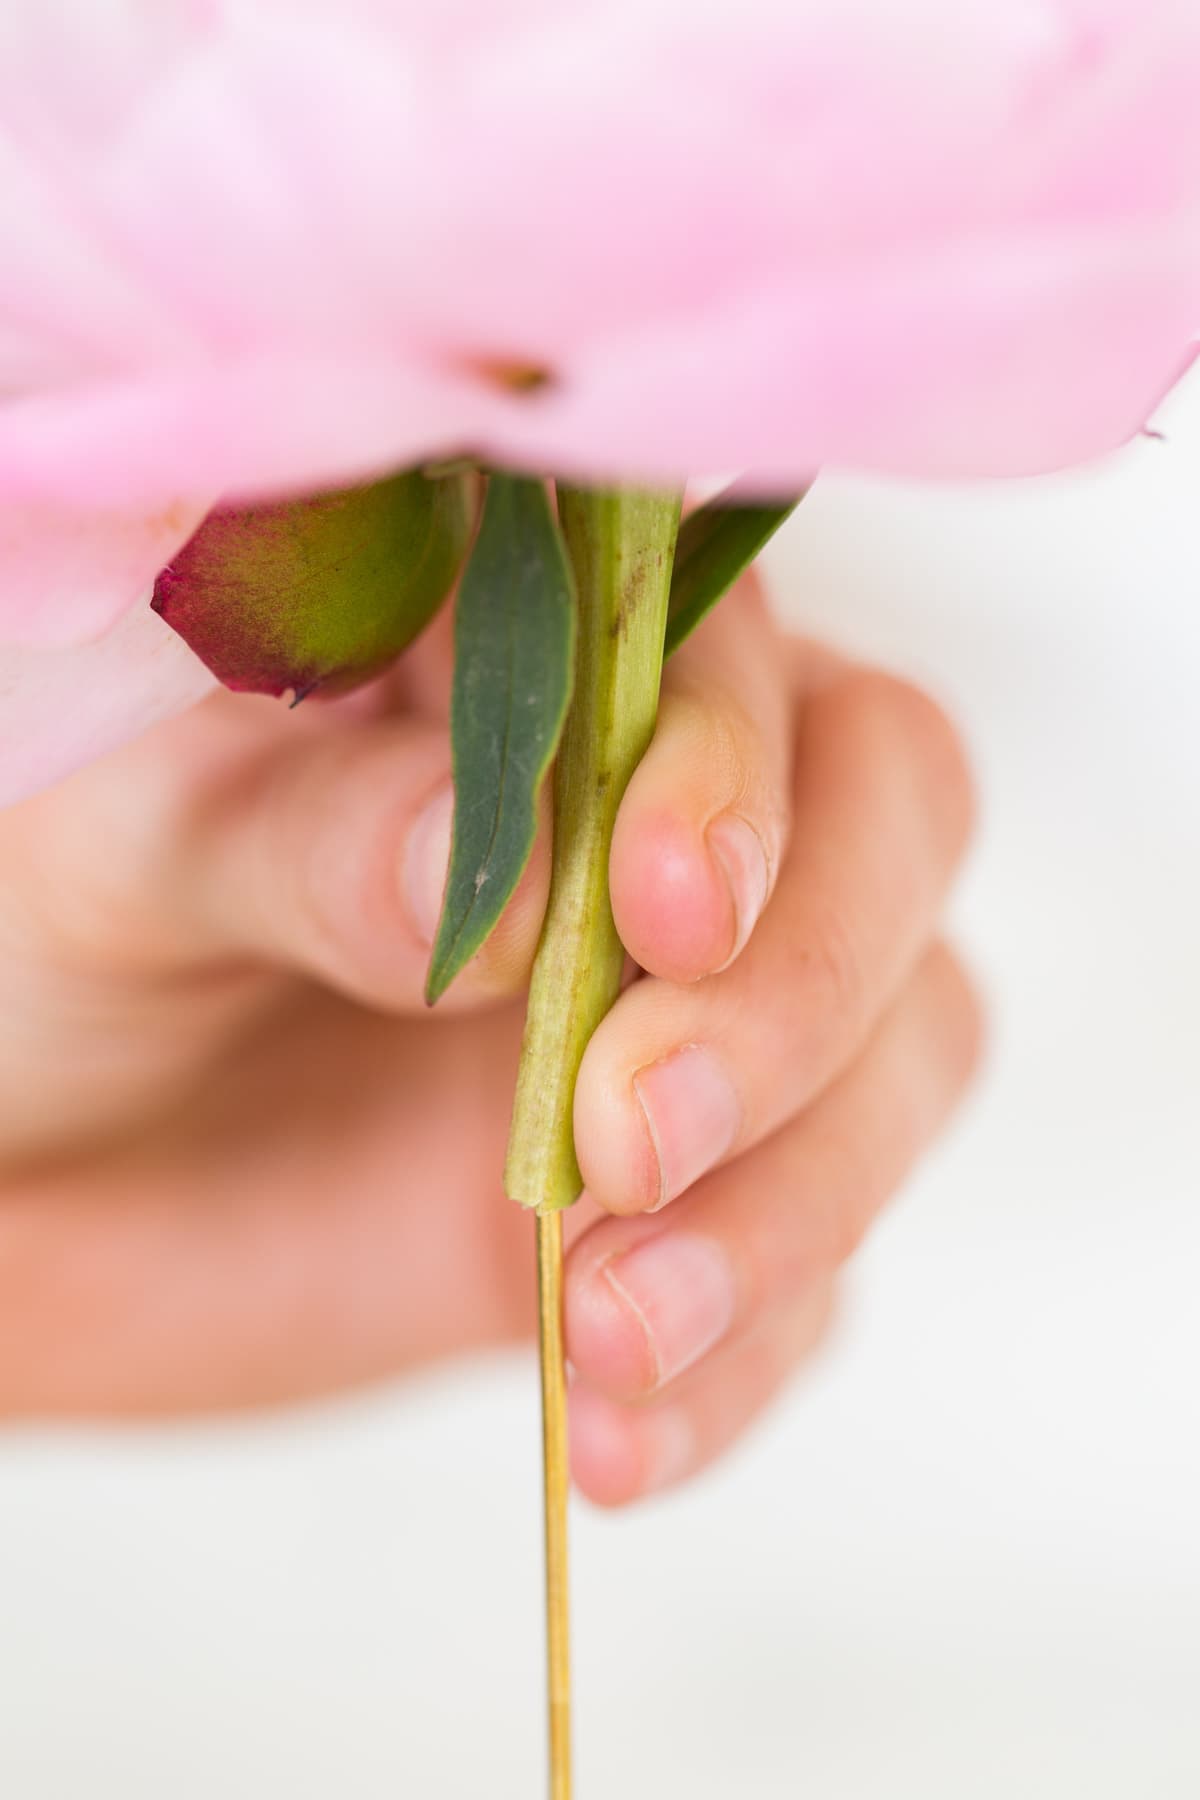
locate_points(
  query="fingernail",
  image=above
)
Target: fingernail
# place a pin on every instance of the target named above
(739, 850)
(426, 860)
(681, 1288)
(692, 1113)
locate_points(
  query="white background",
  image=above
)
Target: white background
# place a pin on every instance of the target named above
(963, 1561)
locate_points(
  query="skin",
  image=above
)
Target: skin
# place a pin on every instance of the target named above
(241, 1164)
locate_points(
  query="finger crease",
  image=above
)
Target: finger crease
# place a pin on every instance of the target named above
(627, 1300)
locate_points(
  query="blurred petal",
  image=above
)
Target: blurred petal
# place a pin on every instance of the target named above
(259, 246)
(61, 708)
(267, 424)
(68, 576)
(981, 364)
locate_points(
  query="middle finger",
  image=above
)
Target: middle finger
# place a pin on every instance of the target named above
(679, 1078)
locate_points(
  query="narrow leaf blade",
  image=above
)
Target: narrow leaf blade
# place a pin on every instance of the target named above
(513, 665)
(716, 543)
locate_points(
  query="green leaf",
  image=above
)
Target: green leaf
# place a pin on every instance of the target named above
(514, 656)
(716, 543)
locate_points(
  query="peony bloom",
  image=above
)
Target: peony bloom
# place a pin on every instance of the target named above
(258, 247)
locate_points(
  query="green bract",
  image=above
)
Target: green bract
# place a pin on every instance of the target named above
(320, 592)
(716, 544)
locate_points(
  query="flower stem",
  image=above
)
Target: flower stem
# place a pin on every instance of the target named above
(621, 546)
(555, 1483)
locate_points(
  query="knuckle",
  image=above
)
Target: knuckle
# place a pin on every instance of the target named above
(962, 1042)
(315, 845)
(712, 732)
(911, 720)
(748, 596)
(725, 730)
(833, 967)
(817, 665)
(744, 606)
(302, 878)
(834, 1197)
(74, 915)
(808, 1322)
(848, 1216)
(846, 1200)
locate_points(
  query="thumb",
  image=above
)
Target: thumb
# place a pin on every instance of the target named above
(329, 857)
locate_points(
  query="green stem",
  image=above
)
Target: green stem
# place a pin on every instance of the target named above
(621, 545)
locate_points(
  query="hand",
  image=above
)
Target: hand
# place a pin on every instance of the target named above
(239, 1162)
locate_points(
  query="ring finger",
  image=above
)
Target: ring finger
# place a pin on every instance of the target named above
(675, 1324)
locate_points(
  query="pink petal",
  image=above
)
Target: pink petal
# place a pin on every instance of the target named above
(61, 708)
(974, 364)
(772, 234)
(67, 576)
(267, 423)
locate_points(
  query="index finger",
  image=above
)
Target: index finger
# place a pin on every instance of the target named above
(704, 822)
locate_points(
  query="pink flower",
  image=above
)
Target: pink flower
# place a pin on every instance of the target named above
(260, 246)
